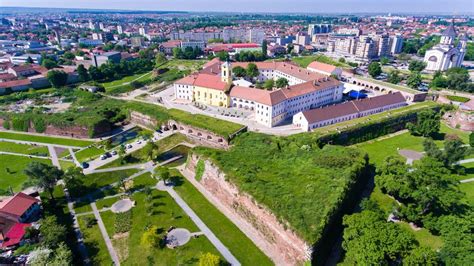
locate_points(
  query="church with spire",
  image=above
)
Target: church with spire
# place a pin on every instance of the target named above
(446, 54)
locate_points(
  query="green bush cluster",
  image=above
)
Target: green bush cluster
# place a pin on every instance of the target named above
(123, 222)
(200, 167)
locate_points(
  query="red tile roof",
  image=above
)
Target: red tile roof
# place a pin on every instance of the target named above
(14, 235)
(15, 83)
(211, 82)
(322, 67)
(17, 204)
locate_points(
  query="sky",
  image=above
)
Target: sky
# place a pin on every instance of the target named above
(452, 7)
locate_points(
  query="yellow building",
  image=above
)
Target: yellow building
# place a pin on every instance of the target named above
(214, 89)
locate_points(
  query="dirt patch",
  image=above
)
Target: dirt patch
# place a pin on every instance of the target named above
(120, 243)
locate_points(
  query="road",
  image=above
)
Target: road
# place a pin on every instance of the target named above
(200, 224)
(105, 235)
(97, 163)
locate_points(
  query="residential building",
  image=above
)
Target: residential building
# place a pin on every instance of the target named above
(119, 29)
(325, 69)
(396, 44)
(137, 41)
(98, 60)
(22, 59)
(320, 117)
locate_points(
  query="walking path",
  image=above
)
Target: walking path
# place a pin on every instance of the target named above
(54, 156)
(470, 160)
(77, 230)
(106, 237)
(25, 155)
(74, 159)
(39, 143)
(467, 180)
(119, 168)
(200, 224)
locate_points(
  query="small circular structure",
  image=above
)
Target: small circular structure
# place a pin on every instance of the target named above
(123, 205)
(177, 237)
(410, 154)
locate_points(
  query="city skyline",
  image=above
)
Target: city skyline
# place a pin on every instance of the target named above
(453, 7)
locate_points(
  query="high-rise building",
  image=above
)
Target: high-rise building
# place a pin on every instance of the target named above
(92, 25)
(101, 26)
(383, 45)
(366, 48)
(119, 29)
(396, 44)
(137, 41)
(318, 29)
(142, 31)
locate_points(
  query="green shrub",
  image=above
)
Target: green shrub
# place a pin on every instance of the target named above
(39, 124)
(123, 222)
(20, 124)
(6, 124)
(200, 167)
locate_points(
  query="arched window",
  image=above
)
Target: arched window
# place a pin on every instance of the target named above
(433, 58)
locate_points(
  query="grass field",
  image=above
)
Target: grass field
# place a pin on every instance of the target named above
(11, 170)
(66, 164)
(89, 153)
(304, 61)
(166, 213)
(468, 188)
(45, 139)
(126, 80)
(23, 148)
(93, 182)
(241, 246)
(94, 242)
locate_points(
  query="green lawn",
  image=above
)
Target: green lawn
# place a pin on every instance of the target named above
(95, 181)
(94, 242)
(106, 203)
(125, 80)
(66, 164)
(45, 139)
(23, 148)
(380, 148)
(237, 242)
(455, 98)
(166, 213)
(89, 153)
(80, 207)
(15, 176)
(304, 61)
(138, 156)
(468, 188)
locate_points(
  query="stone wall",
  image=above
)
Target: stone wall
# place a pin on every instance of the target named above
(460, 119)
(282, 245)
(201, 136)
(143, 120)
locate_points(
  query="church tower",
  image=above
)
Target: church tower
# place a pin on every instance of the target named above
(448, 36)
(226, 72)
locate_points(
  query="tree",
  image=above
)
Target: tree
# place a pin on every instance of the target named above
(239, 72)
(164, 173)
(49, 63)
(384, 60)
(150, 151)
(454, 150)
(427, 124)
(52, 234)
(43, 176)
(178, 53)
(57, 78)
(223, 56)
(394, 77)
(160, 59)
(414, 80)
(374, 69)
(342, 60)
(370, 240)
(29, 60)
(82, 72)
(281, 83)
(74, 179)
(432, 150)
(416, 66)
(209, 259)
(252, 70)
(264, 47)
(269, 84)
(151, 238)
(471, 139)
(422, 256)
(62, 256)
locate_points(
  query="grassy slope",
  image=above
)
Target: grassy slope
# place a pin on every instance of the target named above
(94, 242)
(89, 153)
(16, 164)
(238, 243)
(45, 139)
(299, 186)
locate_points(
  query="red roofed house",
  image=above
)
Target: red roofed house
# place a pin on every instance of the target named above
(325, 69)
(15, 214)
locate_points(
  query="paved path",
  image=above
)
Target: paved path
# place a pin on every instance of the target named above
(200, 224)
(25, 155)
(39, 143)
(467, 180)
(77, 231)
(119, 168)
(54, 156)
(74, 159)
(106, 237)
(470, 160)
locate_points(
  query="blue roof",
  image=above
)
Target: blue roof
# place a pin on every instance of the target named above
(357, 95)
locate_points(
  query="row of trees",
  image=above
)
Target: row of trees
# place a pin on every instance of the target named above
(188, 53)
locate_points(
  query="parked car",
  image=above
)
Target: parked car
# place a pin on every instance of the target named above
(103, 157)
(159, 131)
(139, 142)
(114, 152)
(129, 146)
(108, 155)
(84, 165)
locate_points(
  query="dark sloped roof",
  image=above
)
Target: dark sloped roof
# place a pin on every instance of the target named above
(450, 31)
(379, 101)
